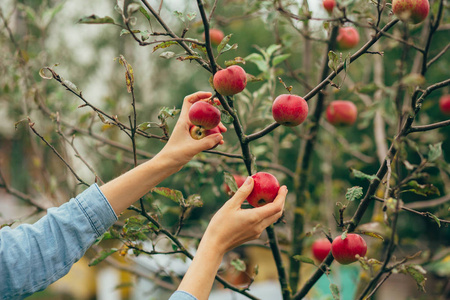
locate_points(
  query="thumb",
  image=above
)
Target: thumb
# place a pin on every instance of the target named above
(243, 192)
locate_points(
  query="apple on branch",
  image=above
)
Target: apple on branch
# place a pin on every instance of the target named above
(204, 114)
(345, 250)
(412, 11)
(265, 189)
(230, 81)
(320, 249)
(215, 36)
(289, 110)
(341, 112)
(348, 37)
(329, 5)
(444, 104)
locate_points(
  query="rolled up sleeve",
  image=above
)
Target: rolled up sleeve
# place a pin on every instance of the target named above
(34, 256)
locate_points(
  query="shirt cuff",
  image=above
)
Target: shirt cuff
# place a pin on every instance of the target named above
(182, 295)
(97, 209)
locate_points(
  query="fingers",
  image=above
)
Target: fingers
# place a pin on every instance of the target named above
(209, 141)
(274, 208)
(242, 193)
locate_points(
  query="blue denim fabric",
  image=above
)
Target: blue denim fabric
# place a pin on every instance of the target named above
(34, 256)
(181, 295)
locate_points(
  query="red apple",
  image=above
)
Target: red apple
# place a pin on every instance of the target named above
(204, 114)
(239, 181)
(265, 189)
(320, 248)
(215, 35)
(341, 112)
(230, 81)
(412, 11)
(329, 5)
(444, 104)
(345, 250)
(289, 110)
(347, 38)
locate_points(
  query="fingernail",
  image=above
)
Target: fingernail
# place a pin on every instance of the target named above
(248, 180)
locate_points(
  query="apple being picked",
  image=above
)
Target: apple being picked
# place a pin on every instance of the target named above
(289, 110)
(345, 250)
(204, 114)
(348, 37)
(341, 112)
(412, 11)
(329, 5)
(320, 248)
(230, 81)
(444, 104)
(265, 189)
(215, 35)
(239, 182)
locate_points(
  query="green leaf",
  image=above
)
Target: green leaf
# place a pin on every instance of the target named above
(239, 265)
(422, 189)
(228, 48)
(146, 125)
(434, 217)
(93, 19)
(145, 13)
(235, 61)
(417, 273)
(304, 259)
(333, 60)
(372, 234)
(258, 60)
(435, 151)
(7, 225)
(354, 193)
(167, 112)
(346, 62)
(194, 200)
(225, 117)
(102, 256)
(359, 174)
(126, 31)
(335, 291)
(344, 235)
(164, 45)
(191, 16)
(279, 59)
(272, 49)
(179, 15)
(230, 181)
(223, 43)
(173, 195)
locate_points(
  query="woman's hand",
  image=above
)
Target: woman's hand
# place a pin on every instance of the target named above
(181, 147)
(232, 226)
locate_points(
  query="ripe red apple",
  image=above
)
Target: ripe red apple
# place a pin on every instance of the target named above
(215, 35)
(289, 110)
(204, 114)
(348, 37)
(345, 250)
(341, 112)
(265, 189)
(329, 5)
(230, 81)
(320, 248)
(412, 11)
(444, 104)
(239, 181)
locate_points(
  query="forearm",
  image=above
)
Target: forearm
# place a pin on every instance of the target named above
(200, 276)
(131, 186)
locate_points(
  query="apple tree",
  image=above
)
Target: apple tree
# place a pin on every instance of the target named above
(339, 100)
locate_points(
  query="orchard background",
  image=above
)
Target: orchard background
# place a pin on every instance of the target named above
(91, 88)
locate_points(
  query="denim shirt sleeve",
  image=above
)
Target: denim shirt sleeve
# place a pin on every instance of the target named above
(34, 256)
(182, 295)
